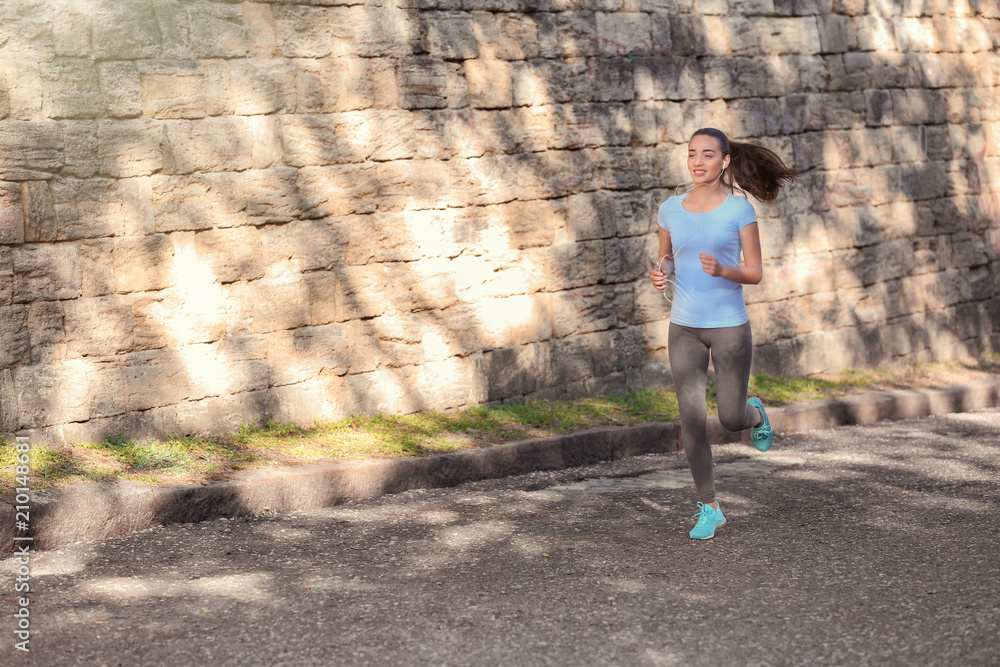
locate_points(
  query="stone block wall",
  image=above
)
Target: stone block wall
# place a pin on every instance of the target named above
(215, 212)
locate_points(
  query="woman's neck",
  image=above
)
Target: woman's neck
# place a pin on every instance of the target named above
(707, 192)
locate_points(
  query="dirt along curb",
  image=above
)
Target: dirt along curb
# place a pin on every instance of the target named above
(94, 511)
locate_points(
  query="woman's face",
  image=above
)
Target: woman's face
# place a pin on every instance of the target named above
(705, 159)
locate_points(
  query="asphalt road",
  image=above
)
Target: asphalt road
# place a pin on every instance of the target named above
(870, 545)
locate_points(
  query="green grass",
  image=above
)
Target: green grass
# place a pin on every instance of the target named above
(192, 459)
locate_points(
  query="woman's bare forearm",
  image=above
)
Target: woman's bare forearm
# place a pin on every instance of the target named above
(744, 275)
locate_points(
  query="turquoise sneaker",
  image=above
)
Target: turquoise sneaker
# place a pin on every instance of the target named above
(708, 520)
(762, 435)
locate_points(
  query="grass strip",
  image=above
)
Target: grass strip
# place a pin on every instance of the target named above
(200, 460)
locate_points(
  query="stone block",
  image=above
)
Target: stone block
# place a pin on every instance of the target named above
(613, 80)
(432, 284)
(305, 32)
(143, 263)
(302, 246)
(11, 214)
(79, 139)
(174, 30)
(593, 216)
(98, 326)
(451, 36)
(71, 29)
(623, 34)
(46, 331)
(375, 136)
(450, 383)
(199, 201)
(125, 30)
(781, 36)
(531, 224)
(307, 353)
(195, 311)
(385, 391)
(15, 344)
(172, 89)
(45, 272)
(262, 38)
(382, 31)
(301, 403)
(721, 81)
(8, 402)
(896, 70)
(576, 34)
(244, 360)
(412, 185)
(767, 76)
(570, 360)
(121, 89)
(372, 290)
(490, 83)
(50, 393)
(224, 368)
(918, 107)
(21, 90)
(217, 30)
(422, 83)
(322, 289)
(72, 89)
(267, 148)
(873, 33)
(279, 303)
(29, 151)
(517, 37)
(210, 144)
(833, 32)
(310, 141)
(972, 35)
(129, 148)
(231, 254)
(337, 191)
(399, 339)
(345, 84)
(40, 221)
(363, 346)
(272, 195)
(251, 87)
(514, 372)
(917, 34)
(584, 310)
(96, 271)
(539, 82)
(829, 351)
(155, 378)
(95, 208)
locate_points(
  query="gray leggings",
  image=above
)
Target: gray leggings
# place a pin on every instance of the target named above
(732, 351)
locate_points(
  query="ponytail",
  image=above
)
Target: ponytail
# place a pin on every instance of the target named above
(752, 168)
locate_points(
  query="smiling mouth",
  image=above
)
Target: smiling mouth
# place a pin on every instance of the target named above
(700, 172)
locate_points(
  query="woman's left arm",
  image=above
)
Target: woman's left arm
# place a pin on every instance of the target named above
(752, 270)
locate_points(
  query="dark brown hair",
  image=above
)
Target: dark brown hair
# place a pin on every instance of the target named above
(752, 168)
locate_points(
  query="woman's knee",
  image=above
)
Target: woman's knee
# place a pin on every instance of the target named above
(733, 420)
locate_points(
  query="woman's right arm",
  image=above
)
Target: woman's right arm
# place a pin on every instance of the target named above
(659, 278)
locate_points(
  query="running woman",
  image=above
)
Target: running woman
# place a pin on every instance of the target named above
(702, 233)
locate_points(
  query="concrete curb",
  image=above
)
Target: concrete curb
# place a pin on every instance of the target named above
(102, 510)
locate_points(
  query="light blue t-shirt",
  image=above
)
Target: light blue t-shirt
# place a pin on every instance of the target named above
(700, 300)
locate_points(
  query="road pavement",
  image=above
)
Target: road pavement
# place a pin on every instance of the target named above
(862, 545)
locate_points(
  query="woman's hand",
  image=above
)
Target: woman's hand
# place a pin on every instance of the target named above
(710, 265)
(658, 278)
(660, 275)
